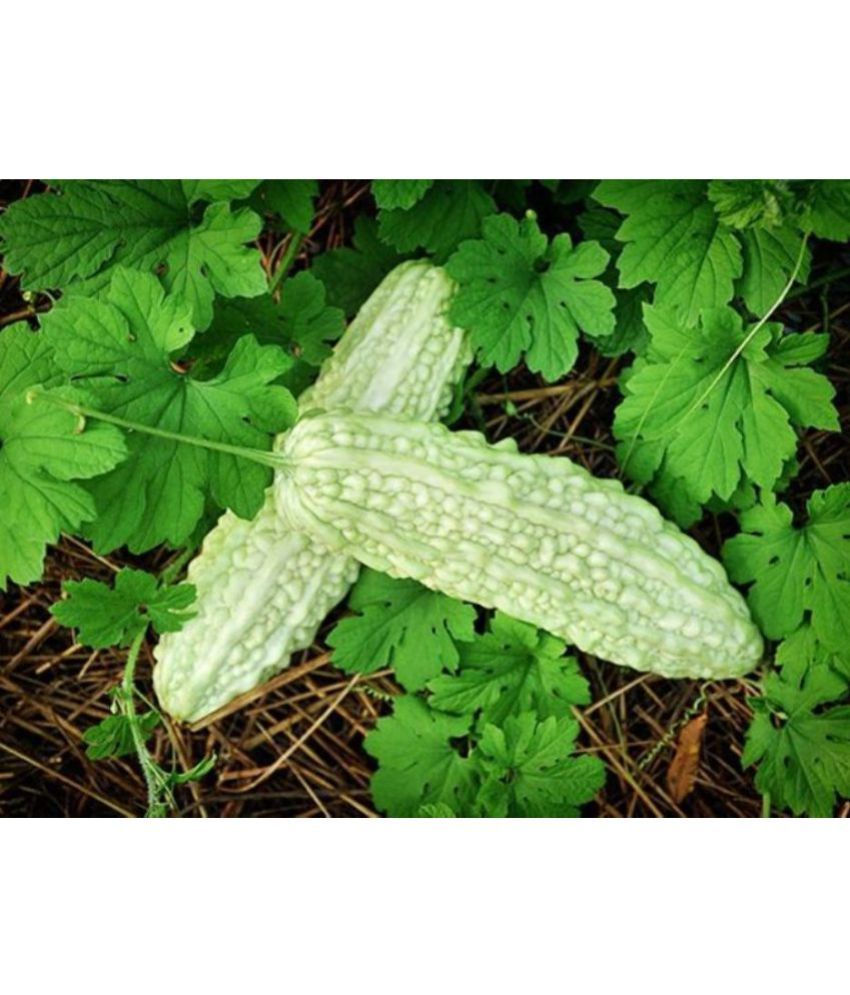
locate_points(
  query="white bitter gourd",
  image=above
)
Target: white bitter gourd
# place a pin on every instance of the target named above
(537, 537)
(263, 589)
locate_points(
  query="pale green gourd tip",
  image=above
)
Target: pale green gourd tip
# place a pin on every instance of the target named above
(264, 589)
(537, 537)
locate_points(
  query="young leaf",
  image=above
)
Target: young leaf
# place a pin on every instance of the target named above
(675, 240)
(529, 769)
(390, 194)
(157, 226)
(762, 204)
(403, 625)
(797, 572)
(42, 452)
(518, 293)
(449, 212)
(714, 426)
(123, 351)
(113, 736)
(114, 616)
(512, 668)
(350, 274)
(438, 811)
(417, 761)
(829, 210)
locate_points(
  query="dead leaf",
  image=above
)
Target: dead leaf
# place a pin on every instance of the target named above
(682, 771)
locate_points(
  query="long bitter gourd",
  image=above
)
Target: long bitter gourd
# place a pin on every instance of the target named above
(537, 537)
(264, 589)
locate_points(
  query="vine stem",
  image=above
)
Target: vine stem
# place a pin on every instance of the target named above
(272, 459)
(150, 771)
(291, 251)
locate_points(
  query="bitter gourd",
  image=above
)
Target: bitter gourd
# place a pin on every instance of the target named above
(537, 537)
(264, 589)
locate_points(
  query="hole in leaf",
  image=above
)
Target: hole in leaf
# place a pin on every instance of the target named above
(460, 744)
(541, 265)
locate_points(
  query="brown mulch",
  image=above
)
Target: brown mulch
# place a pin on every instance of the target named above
(295, 748)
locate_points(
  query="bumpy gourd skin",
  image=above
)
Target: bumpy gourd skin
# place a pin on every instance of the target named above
(264, 589)
(537, 537)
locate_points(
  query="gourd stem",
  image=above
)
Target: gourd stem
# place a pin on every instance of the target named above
(274, 460)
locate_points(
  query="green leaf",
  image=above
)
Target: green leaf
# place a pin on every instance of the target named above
(418, 764)
(302, 322)
(350, 274)
(43, 450)
(390, 194)
(630, 334)
(714, 427)
(797, 573)
(510, 669)
(403, 625)
(113, 737)
(438, 811)
(529, 769)
(674, 240)
(600, 224)
(803, 646)
(829, 210)
(770, 255)
(114, 616)
(157, 226)
(123, 351)
(801, 748)
(200, 770)
(518, 294)
(292, 200)
(762, 204)
(449, 212)
(307, 320)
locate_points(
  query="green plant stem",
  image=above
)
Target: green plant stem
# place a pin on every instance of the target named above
(289, 255)
(765, 805)
(824, 281)
(274, 460)
(168, 573)
(150, 770)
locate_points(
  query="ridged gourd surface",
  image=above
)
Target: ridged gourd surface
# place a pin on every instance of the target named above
(537, 537)
(263, 589)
